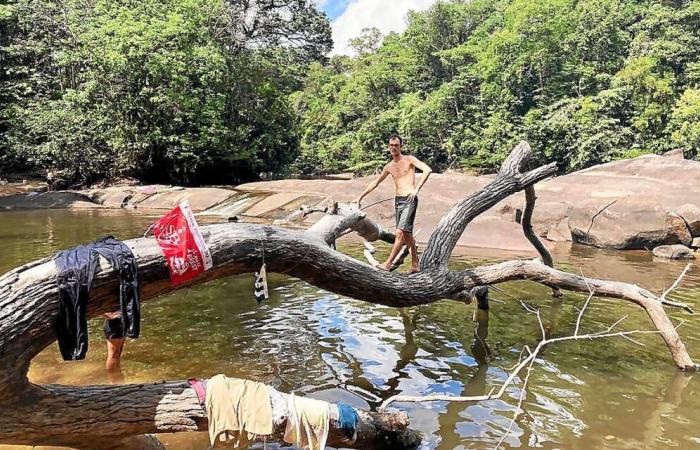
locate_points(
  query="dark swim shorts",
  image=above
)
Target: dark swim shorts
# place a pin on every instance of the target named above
(405, 213)
(114, 329)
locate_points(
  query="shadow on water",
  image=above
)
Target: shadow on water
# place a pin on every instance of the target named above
(598, 394)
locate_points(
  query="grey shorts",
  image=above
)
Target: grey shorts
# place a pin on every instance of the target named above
(405, 213)
(113, 328)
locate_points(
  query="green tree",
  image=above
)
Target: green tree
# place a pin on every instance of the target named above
(685, 121)
(587, 81)
(192, 91)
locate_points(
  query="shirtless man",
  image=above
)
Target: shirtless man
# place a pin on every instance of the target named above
(402, 168)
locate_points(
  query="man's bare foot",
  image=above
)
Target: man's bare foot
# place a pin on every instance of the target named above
(383, 267)
(414, 269)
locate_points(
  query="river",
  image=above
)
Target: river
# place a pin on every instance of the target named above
(609, 393)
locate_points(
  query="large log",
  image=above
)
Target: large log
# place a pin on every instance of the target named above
(89, 415)
(36, 414)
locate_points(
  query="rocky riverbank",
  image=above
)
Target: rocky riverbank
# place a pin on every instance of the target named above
(640, 203)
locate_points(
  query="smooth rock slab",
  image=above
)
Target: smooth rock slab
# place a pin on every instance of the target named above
(46, 200)
(200, 198)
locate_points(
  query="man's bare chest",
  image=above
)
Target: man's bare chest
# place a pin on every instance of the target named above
(402, 170)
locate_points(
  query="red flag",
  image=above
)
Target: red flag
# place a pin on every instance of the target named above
(182, 243)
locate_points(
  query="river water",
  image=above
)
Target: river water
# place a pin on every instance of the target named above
(609, 393)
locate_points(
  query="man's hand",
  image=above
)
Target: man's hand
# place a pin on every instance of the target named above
(112, 315)
(413, 194)
(372, 185)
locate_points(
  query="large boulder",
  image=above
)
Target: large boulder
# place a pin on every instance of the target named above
(674, 252)
(628, 224)
(638, 203)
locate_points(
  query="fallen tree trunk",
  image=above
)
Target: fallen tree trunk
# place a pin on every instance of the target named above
(52, 414)
(80, 416)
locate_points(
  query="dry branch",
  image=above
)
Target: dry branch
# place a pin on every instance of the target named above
(529, 360)
(531, 236)
(523, 363)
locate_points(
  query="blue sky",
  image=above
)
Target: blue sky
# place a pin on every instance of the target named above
(333, 8)
(349, 17)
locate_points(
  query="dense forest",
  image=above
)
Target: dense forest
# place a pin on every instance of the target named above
(212, 91)
(187, 91)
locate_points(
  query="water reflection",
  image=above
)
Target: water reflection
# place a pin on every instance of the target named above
(315, 342)
(407, 352)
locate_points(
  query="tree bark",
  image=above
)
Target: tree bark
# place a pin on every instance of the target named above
(74, 416)
(52, 414)
(531, 236)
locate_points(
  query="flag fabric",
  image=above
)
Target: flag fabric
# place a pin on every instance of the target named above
(182, 243)
(260, 290)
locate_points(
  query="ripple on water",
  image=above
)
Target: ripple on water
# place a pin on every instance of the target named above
(314, 342)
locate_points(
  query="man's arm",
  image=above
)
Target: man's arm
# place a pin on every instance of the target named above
(373, 185)
(426, 173)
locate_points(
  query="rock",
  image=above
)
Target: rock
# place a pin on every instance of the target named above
(630, 223)
(695, 243)
(675, 154)
(674, 252)
(560, 232)
(272, 203)
(199, 198)
(121, 196)
(47, 200)
(691, 214)
(339, 176)
(639, 201)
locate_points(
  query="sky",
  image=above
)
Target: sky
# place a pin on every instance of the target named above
(349, 17)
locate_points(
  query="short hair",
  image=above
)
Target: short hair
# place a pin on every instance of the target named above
(396, 136)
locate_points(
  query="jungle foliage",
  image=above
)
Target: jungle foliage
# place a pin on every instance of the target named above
(189, 91)
(213, 91)
(585, 81)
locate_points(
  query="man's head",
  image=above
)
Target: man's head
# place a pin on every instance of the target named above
(395, 144)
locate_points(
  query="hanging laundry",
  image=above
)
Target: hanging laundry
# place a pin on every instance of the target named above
(279, 406)
(347, 419)
(238, 411)
(200, 388)
(76, 269)
(178, 235)
(307, 424)
(261, 285)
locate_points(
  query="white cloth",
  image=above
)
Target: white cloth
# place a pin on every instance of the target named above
(279, 406)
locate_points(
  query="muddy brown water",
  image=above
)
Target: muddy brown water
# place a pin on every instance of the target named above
(596, 394)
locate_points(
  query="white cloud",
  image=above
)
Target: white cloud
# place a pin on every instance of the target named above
(387, 15)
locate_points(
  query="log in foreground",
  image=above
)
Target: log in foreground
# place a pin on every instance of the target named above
(67, 415)
(91, 415)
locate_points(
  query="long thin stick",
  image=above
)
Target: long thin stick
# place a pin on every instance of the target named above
(376, 203)
(675, 283)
